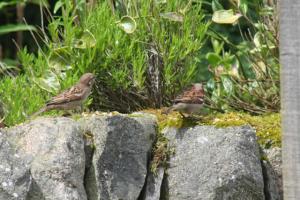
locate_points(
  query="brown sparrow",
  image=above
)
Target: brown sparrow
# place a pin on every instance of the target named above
(71, 98)
(190, 101)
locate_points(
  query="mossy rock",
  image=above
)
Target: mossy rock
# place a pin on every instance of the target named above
(267, 126)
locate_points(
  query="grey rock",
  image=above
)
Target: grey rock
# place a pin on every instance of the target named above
(15, 177)
(211, 163)
(154, 183)
(122, 150)
(51, 152)
(272, 171)
(49, 158)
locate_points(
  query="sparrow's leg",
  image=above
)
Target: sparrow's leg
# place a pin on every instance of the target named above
(183, 116)
(196, 117)
(78, 109)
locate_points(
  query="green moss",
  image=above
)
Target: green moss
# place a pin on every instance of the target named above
(76, 116)
(268, 130)
(160, 153)
(173, 119)
(268, 126)
(161, 149)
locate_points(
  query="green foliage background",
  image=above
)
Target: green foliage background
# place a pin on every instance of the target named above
(149, 67)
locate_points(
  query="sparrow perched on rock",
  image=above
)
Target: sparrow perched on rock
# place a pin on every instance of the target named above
(71, 98)
(190, 101)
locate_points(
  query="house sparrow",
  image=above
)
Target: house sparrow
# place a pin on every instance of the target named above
(190, 101)
(71, 98)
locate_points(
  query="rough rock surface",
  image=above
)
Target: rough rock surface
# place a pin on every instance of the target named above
(44, 159)
(14, 172)
(121, 155)
(154, 183)
(272, 171)
(211, 163)
(107, 157)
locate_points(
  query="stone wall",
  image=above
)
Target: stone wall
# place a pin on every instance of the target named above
(108, 157)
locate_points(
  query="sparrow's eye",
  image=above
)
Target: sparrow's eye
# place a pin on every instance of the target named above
(91, 82)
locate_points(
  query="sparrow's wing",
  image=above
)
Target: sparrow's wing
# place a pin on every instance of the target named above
(73, 94)
(191, 96)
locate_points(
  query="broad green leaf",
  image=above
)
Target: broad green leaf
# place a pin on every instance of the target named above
(227, 60)
(9, 28)
(217, 46)
(243, 5)
(234, 72)
(213, 59)
(215, 97)
(87, 40)
(225, 17)
(227, 84)
(57, 6)
(257, 39)
(216, 5)
(128, 24)
(48, 82)
(59, 61)
(172, 16)
(262, 66)
(210, 85)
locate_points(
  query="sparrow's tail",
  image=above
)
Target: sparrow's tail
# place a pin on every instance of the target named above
(44, 109)
(2, 125)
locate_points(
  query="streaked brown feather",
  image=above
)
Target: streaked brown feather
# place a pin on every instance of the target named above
(193, 95)
(67, 96)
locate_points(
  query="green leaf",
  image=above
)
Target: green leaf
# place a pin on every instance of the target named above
(127, 24)
(234, 71)
(213, 59)
(225, 17)
(59, 61)
(48, 82)
(227, 84)
(57, 6)
(87, 40)
(257, 39)
(216, 5)
(243, 6)
(172, 16)
(9, 28)
(217, 46)
(210, 85)
(215, 97)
